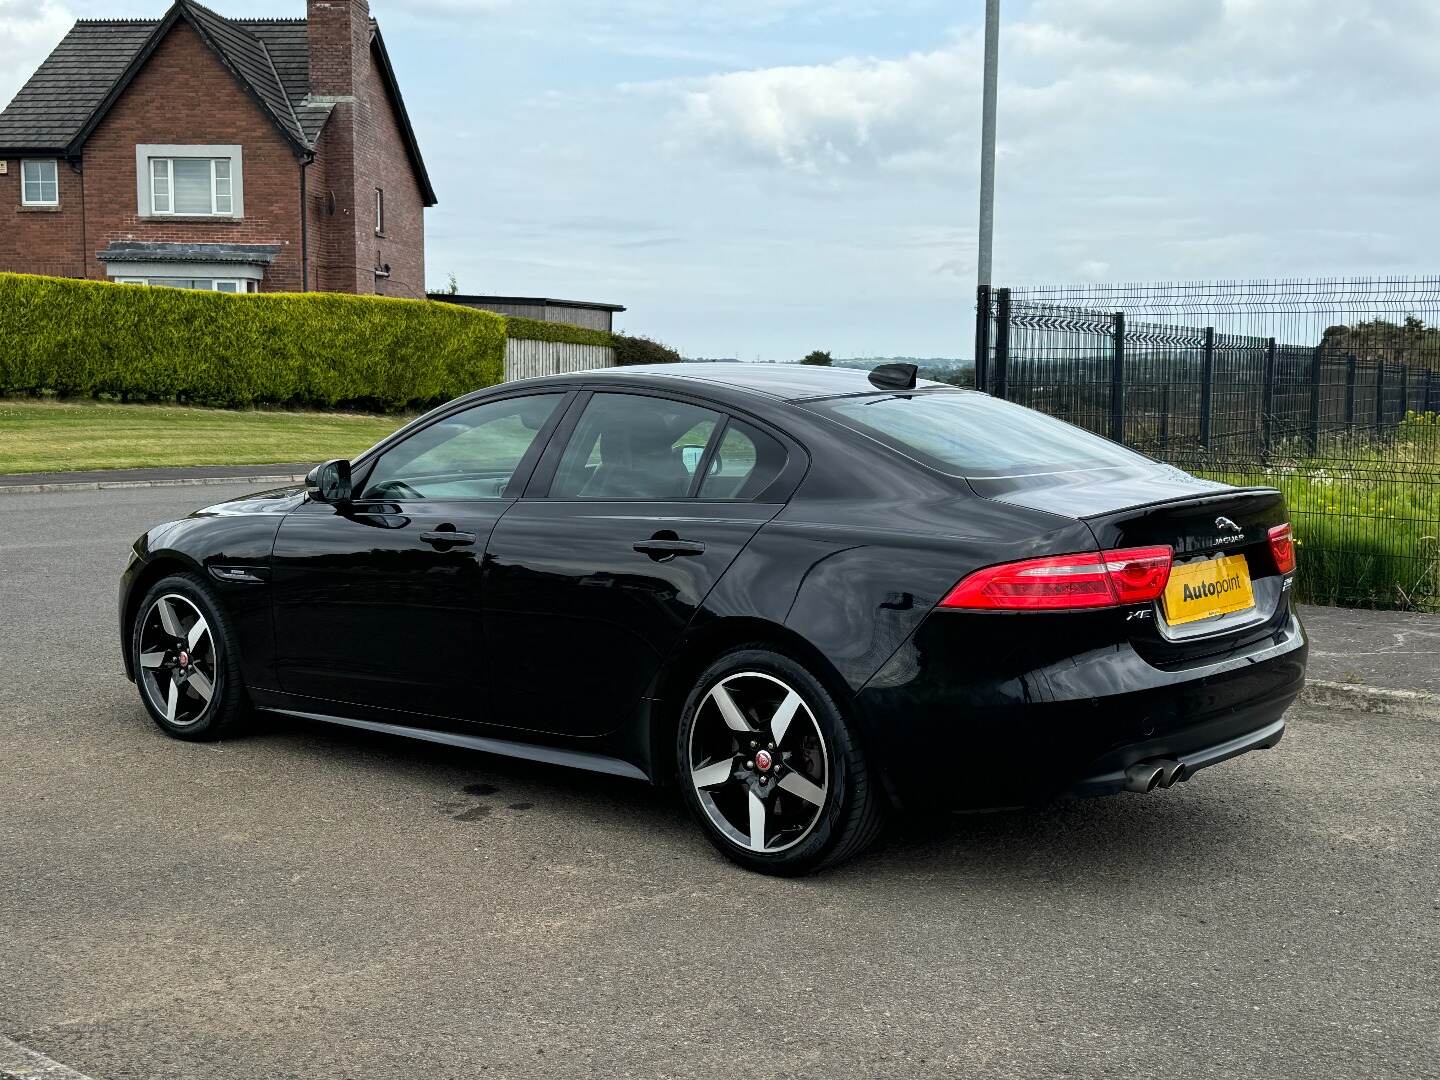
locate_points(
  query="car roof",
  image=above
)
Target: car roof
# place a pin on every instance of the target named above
(788, 382)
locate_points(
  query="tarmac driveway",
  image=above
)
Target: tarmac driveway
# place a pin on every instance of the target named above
(319, 902)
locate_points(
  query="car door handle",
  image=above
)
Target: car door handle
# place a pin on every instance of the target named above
(659, 548)
(447, 536)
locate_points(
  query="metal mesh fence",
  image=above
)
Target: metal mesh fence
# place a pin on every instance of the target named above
(1329, 390)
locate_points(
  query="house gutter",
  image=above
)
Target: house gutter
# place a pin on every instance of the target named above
(304, 228)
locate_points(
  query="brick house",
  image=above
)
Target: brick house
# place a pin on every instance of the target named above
(228, 154)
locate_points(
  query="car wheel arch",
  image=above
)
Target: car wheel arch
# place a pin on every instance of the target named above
(157, 566)
(697, 651)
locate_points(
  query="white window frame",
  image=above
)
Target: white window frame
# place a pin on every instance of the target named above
(379, 211)
(25, 200)
(241, 284)
(145, 154)
(169, 196)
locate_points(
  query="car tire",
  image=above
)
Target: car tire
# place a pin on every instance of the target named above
(771, 768)
(187, 666)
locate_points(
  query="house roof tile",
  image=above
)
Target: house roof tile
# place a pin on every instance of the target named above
(72, 82)
(72, 89)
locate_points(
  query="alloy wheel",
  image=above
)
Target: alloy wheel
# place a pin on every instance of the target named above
(177, 662)
(758, 762)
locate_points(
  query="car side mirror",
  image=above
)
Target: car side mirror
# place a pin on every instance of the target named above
(330, 483)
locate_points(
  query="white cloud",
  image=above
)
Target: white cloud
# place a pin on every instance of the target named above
(849, 112)
(1134, 21)
(1072, 62)
(28, 32)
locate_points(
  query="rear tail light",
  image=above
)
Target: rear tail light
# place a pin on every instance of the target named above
(1094, 580)
(1282, 546)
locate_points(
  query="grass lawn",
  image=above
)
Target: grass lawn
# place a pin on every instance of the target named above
(1366, 515)
(46, 436)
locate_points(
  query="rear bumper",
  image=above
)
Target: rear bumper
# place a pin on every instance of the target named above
(1191, 762)
(983, 711)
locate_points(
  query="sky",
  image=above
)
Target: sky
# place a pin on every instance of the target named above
(759, 178)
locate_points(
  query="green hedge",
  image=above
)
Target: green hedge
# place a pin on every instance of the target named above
(539, 330)
(88, 338)
(638, 349)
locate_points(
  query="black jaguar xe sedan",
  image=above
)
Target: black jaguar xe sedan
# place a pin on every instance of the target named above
(804, 595)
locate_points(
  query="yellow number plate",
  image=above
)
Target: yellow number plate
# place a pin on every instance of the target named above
(1199, 590)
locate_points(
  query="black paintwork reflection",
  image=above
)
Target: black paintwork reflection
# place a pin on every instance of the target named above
(368, 612)
(223, 535)
(577, 621)
(998, 709)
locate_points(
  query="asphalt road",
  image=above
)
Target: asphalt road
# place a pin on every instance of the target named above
(317, 902)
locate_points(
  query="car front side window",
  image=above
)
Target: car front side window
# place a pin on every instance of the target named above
(473, 454)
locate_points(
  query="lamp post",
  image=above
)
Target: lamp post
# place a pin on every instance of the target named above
(987, 141)
(987, 196)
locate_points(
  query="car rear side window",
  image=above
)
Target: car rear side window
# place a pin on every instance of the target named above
(967, 434)
(629, 446)
(746, 462)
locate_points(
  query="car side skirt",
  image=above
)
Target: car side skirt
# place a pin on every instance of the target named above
(549, 755)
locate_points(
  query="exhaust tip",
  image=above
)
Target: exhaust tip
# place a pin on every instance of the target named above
(1171, 772)
(1143, 777)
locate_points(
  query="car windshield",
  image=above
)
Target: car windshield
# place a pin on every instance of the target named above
(973, 435)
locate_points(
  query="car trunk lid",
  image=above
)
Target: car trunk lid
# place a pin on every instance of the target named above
(1220, 536)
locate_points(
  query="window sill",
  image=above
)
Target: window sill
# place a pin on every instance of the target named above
(39, 208)
(190, 217)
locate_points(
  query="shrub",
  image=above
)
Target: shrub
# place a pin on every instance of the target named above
(818, 358)
(539, 330)
(74, 337)
(642, 350)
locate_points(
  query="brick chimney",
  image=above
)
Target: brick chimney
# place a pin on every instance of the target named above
(339, 35)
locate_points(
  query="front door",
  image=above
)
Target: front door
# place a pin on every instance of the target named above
(589, 586)
(377, 603)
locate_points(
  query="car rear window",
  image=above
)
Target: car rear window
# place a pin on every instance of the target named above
(968, 434)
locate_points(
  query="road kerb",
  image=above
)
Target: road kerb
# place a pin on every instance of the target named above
(108, 485)
(1382, 701)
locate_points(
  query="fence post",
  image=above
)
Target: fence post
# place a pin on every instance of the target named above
(1002, 343)
(1317, 374)
(1267, 400)
(1380, 397)
(1165, 414)
(1350, 394)
(1404, 390)
(1207, 388)
(982, 337)
(1117, 381)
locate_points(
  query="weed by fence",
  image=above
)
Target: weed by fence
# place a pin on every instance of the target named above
(1328, 390)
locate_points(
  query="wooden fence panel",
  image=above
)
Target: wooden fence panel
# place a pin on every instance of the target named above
(528, 359)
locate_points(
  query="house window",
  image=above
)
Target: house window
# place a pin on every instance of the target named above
(225, 285)
(379, 212)
(40, 182)
(191, 187)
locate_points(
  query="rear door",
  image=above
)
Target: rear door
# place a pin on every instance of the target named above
(634, 514)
